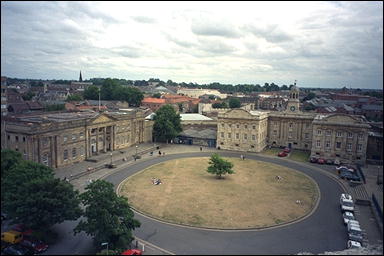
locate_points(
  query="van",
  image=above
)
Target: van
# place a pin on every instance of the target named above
(12, 237)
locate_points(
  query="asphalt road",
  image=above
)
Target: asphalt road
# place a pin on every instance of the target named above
(320, 232)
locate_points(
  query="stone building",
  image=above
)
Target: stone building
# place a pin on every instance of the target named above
(60, 139)
(334, 136)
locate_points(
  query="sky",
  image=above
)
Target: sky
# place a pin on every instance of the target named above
(319, 44)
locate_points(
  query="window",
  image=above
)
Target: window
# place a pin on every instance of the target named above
(318, 143)
(65, 154)
(74, 153)
(81, 135)
(222, 125)
(17, 138)
(327, 144)
(290, 125)
(45, 141)
(222, 135)
(9, 137)
(338, 145)
(349, 146)
(237, 136)
(350, 135)
(65, 138)
(229, 125)
(229, 135)
(359, 147)
(306, 135)
(252, 146)
(289, 134)
(245, 126)
(100, 138)
(253, 137)
(245, 136)
(237, 126)
(274, 132)
(318, 132)
(360, 136)
(23, 139)
(236, 145)
(328, 133)
(254, 127)
(339, 134)
(306, 125)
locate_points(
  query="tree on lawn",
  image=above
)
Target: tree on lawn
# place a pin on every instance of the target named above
(219, 166)
(167, 123)
(108, 216)
(33, 196)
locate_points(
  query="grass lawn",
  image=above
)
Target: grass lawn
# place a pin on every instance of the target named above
(301, 156)
(250, 198)
(272, 151)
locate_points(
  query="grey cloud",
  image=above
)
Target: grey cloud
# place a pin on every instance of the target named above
(178, 41)
(271, 33)
(215, 29)
(130, 52)
(143, 19)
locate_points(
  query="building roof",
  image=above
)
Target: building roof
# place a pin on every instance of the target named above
(372, 107)
(194, 117)
(153, 100)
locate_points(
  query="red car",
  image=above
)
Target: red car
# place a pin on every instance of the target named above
(23, 229)
(282, 154)
(132, 252)
(36, 245)
(321, 161)
(287, 150)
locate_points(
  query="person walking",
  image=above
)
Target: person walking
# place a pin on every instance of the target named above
(201, 148)
(159, 153)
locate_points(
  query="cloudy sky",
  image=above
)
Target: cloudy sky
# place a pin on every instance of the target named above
(320, 44)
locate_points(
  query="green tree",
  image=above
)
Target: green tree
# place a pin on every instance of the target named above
(309, 96)
(32, 195)
(109, 217)
(54, 107)
(75, 97)
(9, 159)
(28, 95)
(219, 166)
(91, 92)
(167, 123)
(134, 96)
(284, 87)
(156, 95)
(234, 103)
(108, 88)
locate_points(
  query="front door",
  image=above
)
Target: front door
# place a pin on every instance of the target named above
(290, 145)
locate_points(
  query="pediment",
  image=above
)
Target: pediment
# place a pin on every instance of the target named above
(102, 118)
(238, 113)
(342, 119)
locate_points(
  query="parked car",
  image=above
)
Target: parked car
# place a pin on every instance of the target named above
(12, 237)
(353, 244)
(355, 233)
(346, 203)
(34, 244)
(282, 154)
(22, 229)
(313, 159)
(321, 161)
(348, 216)
(17, 250)
(342, 167)
(132, 252)
(329, 161)
(287, 150)
(349, 176)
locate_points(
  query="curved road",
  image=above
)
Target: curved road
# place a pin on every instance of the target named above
(322, 231)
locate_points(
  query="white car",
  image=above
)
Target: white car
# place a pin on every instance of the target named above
(355, 233)
(348, 216)
(345, 197)
(353, 244)
(345, 167)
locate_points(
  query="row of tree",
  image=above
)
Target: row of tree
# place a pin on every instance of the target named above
(111, 89)
(31, 195)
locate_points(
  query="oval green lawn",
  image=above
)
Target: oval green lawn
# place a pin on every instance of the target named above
(250, 198)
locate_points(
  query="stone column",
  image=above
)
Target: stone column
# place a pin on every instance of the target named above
(97, 140)
(105, 139)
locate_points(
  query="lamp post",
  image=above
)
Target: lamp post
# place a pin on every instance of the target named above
(111, 159)
(102, 244)
(136, 151)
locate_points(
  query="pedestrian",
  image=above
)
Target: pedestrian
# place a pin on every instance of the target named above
(159, 153)
(241, 157)
(244, 157)
(201, 149)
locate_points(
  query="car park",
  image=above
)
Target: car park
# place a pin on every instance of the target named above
(282, 154)
(353, 244)
(348, 216)
(34, 244)
(16, 250)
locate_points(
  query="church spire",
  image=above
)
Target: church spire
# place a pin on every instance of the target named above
(80, 78)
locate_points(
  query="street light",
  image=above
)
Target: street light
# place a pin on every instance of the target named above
(136, 152)
(111, 158)
(102, 244)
